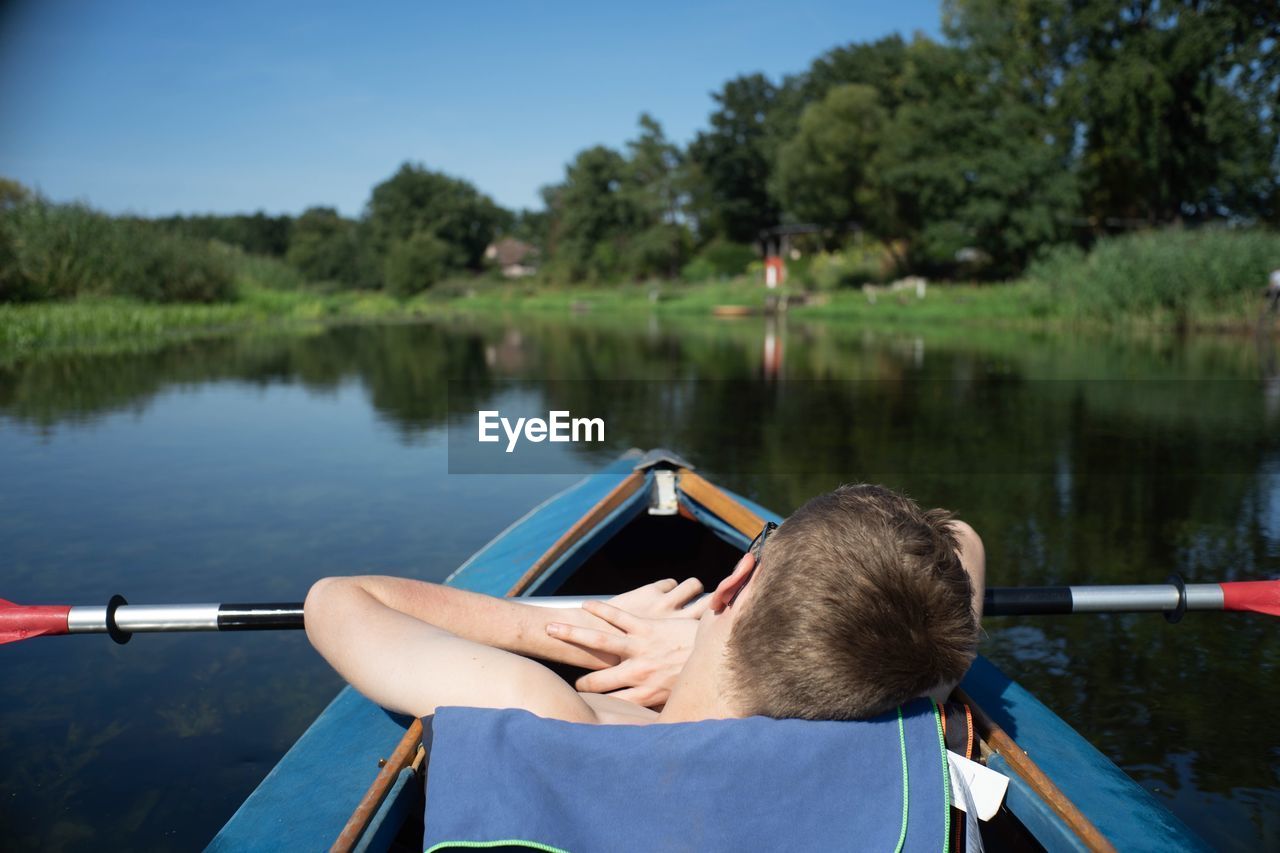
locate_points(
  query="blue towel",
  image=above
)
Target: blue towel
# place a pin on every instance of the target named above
(506, 778)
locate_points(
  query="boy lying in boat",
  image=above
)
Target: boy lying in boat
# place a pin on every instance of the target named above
(857, 603)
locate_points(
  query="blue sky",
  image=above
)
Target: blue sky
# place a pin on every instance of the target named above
(162, 107)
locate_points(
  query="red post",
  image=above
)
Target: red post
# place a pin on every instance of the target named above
(775, 271)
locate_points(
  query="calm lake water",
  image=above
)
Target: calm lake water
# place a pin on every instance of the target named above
(244, 468)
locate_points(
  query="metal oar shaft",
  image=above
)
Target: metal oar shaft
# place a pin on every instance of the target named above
(173, 618)
(1146, 598)
(1047, 600)
(128, 619)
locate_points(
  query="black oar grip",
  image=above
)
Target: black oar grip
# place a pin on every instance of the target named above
(1026, 601)
(259, 617)
(114, 631)
(1175, 615)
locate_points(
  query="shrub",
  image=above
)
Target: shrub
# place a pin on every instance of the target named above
(853, 266)
(1173, 274)
(719, 259)
(604, 263)
(415, 263)
(264, 272)
(323, 246)
(159, 267)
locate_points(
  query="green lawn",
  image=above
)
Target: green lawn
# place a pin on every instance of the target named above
(1004, 303)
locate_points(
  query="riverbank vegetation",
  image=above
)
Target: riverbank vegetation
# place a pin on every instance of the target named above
(1181, 279)
(1122, 171)
(1190, 281)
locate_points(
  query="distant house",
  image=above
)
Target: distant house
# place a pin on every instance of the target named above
(516, 259)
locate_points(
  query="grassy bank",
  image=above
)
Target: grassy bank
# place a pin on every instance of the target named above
(120, 324)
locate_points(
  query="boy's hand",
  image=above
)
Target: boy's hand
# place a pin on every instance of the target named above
(651, 651)
(663, 599)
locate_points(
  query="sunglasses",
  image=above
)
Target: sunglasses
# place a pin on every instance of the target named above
(756, 549)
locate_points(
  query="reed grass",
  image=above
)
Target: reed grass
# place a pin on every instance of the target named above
(1178, 278)
(63, 251)
(120, 324)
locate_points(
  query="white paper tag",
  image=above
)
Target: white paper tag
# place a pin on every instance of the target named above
(986, 787)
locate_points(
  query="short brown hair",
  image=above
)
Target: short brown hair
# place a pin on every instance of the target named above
(861, 604)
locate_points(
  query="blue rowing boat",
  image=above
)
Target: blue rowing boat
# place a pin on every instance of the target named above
(353, 780)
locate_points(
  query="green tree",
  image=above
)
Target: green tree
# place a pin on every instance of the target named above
(594, 212)
(256, 233)
(881, 65)
(655, 181)
(959, 164)
(416, 199)
(324, 247)
(416, 262)
(732, 161)
(531, 226)
(1168, 109)
(823, 172)
(655, 172)
(969, 166)
(620, 215)
(657, 251)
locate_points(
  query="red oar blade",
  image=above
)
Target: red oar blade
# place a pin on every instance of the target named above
(1252, 596)
(22, 621)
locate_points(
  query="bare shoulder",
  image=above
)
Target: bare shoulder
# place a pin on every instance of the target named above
(609, 710)
(973, 556)
(966, 536)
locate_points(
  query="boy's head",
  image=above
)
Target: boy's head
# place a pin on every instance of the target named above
(860, 603)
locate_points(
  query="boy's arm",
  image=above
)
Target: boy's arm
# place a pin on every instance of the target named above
(503, 623)
(413, 647)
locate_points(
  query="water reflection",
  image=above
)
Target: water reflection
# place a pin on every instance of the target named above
(247, 466)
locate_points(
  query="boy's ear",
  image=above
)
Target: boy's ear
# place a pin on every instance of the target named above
(730, 585)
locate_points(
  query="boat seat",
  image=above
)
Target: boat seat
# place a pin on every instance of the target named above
(509, 779)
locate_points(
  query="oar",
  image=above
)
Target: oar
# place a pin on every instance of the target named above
(121, 620)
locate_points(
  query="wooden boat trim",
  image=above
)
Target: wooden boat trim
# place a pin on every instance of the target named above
(616, 497)
(999, 742)
(727, 508)
(405, 752)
